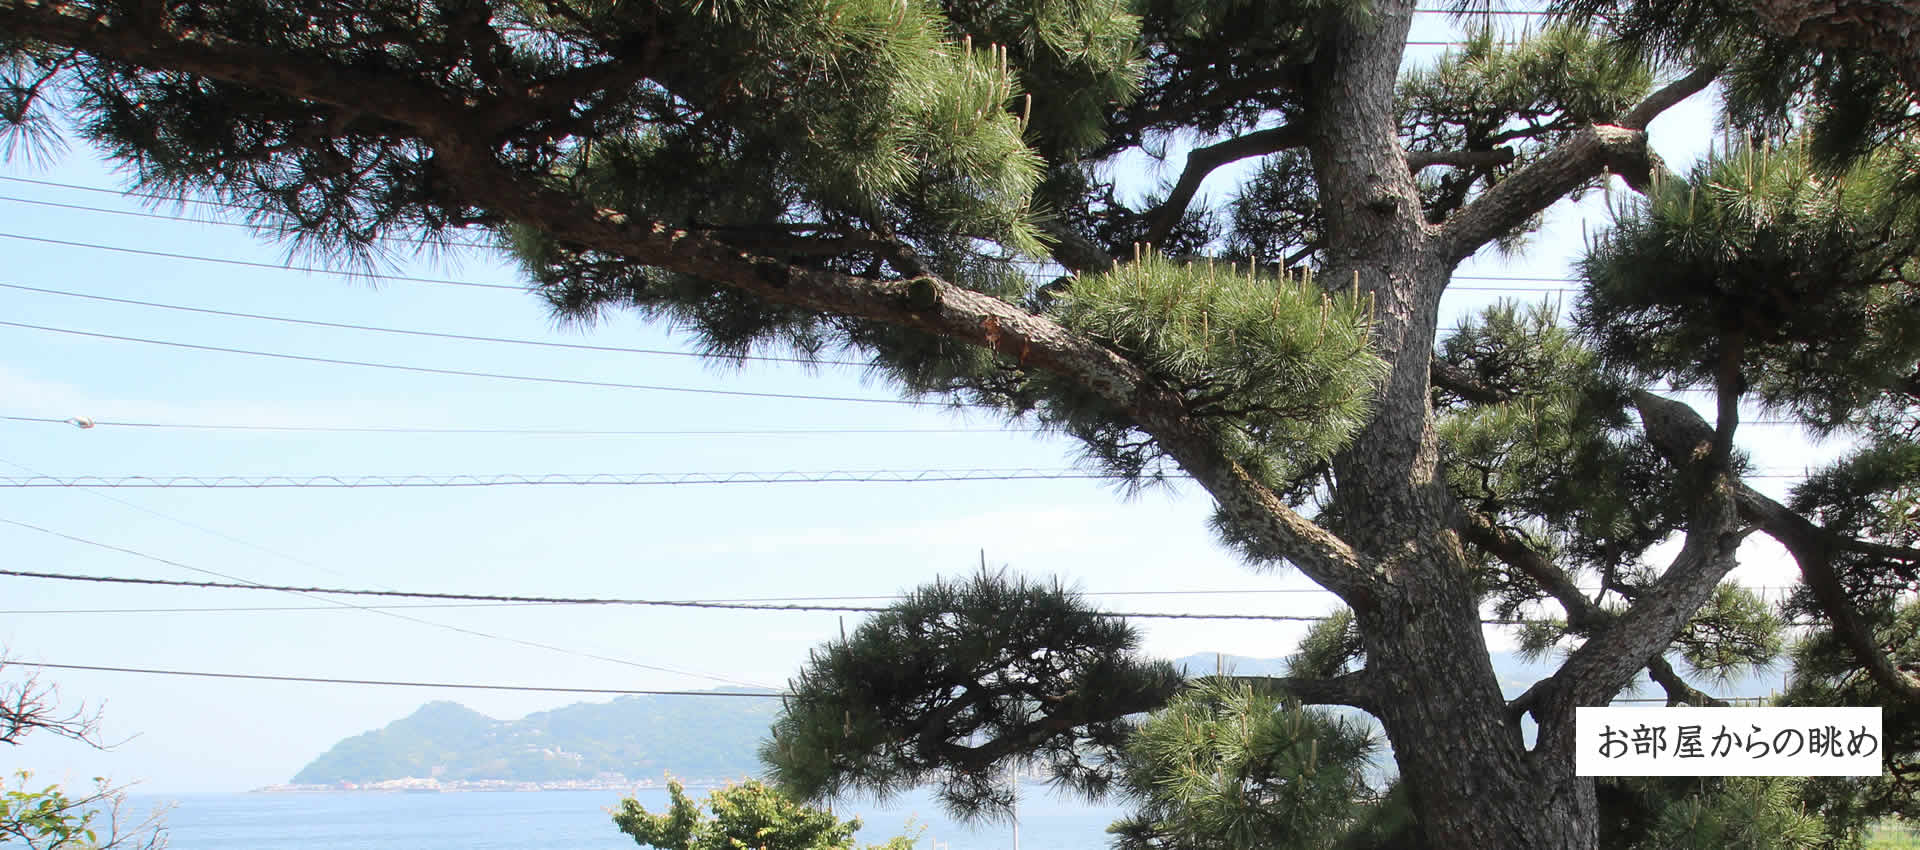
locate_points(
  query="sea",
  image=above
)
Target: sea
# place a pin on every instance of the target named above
(561, 820)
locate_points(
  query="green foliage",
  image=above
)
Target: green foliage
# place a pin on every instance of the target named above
(1520, 97)
(1795, 274)
(1227, 766)
(1285, 368)
(747, 815)
(955, 683)
(1555, 457)
(1330, 648)
(1827, 673)
(1846, 99)
(1734, 812)
(1275, 216)
(1870, 494)
(1731, 635)
(51, 818)
(1077, 60)
(1531, 92)
(46, 818)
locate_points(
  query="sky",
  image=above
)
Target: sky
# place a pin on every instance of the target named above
(180, 734)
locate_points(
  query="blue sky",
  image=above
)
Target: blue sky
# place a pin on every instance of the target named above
(684, 542)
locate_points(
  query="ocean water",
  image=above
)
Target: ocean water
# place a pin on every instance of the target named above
(556, 820)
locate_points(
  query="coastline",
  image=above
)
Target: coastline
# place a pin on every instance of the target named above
(428, 785)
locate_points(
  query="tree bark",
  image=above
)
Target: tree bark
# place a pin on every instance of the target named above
(1470, 779)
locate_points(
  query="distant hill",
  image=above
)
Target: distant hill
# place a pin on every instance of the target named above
(637, 736)
(691, 737)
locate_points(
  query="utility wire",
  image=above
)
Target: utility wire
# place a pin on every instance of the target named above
(87, 422)
(186, 219)
(594, 479)
(267, 609)
(238, 582)
(545, 432)
(430, 334)
(396, 684)
(602, 479)
(533, 688)
(1571, 287)
(182, 201)
(464, 373)
(646, 603)
(367, 275)
(1568, 284)
(270, 609)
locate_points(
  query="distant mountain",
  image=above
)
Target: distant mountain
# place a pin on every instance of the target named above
(691, 737)
(636, 736)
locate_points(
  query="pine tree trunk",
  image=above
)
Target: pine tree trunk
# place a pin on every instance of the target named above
(1472, 782)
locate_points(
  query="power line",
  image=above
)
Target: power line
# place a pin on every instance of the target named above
(600, 479)
(158, 216)
(88, 422)
(549, 432)
(272, 609)
(430, 334)
(501, 286)
(464, 373)
(238, 582)
(1566, 284)
(394, 683)
(585, 479)
(269, 609)
(472, 686)
(366, 275)
(575, 600)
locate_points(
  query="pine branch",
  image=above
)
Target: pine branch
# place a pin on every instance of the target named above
(1203, 161)
(1459, 382)
(1889, 29)
(1582, 613)
(1813, 549)
(458, 131)
(1619, 148)
(1358, 689)
(1681, 434)
(1420, 160)
(1076, 252)
(1669, 96)
(1601, 666)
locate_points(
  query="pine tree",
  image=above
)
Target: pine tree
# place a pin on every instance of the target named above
(860, 176)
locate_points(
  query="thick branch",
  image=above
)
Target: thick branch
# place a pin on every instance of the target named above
(1355, 689)
(1601, 666)
(353, 89)
(1683, 436)
(1461, 383)
(1582, 613)
(1076, 252)
(1621, 149)
(1202, 162)
(1670, 96)
(1813, 549)
(1591, 152)
(1605, 663)
(1420, 160)
(1889, 29)
(1678, 691)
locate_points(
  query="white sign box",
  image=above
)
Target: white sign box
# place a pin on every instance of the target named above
(1728, 742)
